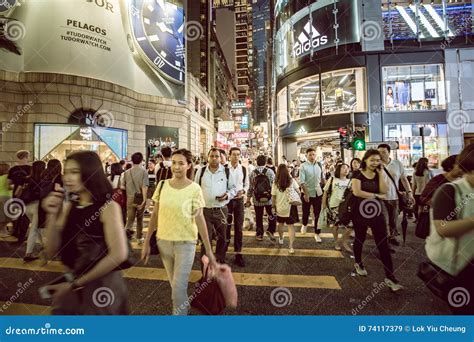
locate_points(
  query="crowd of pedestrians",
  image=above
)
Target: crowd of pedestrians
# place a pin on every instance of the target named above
(192, 203)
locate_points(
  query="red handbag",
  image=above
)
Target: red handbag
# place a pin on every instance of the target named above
(207, 296)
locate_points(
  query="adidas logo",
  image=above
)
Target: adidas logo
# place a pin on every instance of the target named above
(309, 38)
(301, 131)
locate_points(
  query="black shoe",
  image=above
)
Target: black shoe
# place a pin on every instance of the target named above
(221, 261)
(29, 258)
(239, 260)
(394, 241)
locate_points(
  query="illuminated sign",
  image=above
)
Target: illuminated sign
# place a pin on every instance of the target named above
(309, 39)
(226, 126)
(245, 122)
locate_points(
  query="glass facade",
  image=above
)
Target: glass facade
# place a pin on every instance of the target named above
(58, 141)
(418, 140)
(414, 87)
(341, 91)
(426, 19)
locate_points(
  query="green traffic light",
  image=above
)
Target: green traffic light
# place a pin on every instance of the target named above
(359, 144)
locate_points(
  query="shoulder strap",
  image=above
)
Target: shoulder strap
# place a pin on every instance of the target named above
(203, 169)
(390, 176)
(227, 172)
(244, 170)
(264, 172)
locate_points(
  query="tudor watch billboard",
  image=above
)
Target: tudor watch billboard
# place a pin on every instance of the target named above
(318, 26)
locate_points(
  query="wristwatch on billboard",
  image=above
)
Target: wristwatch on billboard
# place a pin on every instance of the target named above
(155, 36)
(7, 7)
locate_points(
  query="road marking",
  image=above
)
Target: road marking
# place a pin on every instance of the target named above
(21, 309)
(247, 233)
(317, 253)
(152, 273)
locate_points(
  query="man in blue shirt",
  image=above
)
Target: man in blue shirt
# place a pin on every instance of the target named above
(310, 180)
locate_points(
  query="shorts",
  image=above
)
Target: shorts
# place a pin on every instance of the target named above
(292, 219)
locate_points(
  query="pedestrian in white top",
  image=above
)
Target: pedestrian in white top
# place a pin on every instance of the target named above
(286, 213)
(332, 197)
(218, 189)
(236, 206)
(395, 172)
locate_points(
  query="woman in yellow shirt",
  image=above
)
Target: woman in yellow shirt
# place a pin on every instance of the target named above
(178, 214)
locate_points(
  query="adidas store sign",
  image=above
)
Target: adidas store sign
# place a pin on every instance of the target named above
(309, 39)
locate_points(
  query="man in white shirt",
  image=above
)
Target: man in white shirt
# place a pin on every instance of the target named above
(236, 207)
(218, 189)
(395, 169)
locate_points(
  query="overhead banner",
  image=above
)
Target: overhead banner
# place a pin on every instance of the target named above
(137, 44)
(316, 27)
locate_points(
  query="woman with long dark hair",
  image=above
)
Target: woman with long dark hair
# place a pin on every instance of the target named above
(370, 187)
(355, 166)
(31, 196)
(286, 213)
(420, 178)
(85, 229)
(178, 218)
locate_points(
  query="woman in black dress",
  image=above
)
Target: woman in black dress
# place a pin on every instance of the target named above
(84, 227)
(369, 187)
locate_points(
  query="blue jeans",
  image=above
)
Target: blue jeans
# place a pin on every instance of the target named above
(178, 258)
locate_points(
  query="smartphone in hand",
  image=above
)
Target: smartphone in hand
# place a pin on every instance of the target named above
(45, 293)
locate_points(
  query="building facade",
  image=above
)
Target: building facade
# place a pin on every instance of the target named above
(393, 72)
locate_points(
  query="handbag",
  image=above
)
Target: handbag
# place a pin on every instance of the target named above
(138, 196)
(119, 195)
(323, 219)
(153, 242)
(422, 229)
(207, 296)
(403, 202)
(294, 197)
(345, 209)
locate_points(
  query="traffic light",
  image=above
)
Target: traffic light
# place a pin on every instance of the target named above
(344, 137)
(358, 143)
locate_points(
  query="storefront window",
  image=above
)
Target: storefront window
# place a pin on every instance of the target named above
(418, 140)
(344, 91)
(414, 87)
(58, 141)
(281, 117)
(304, 98)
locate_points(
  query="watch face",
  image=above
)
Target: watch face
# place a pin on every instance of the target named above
(158, 30)
(6, 5)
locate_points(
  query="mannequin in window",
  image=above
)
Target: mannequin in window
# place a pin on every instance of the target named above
(389, 103)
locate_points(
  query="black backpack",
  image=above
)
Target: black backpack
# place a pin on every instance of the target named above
(262, 189)
(163, 173)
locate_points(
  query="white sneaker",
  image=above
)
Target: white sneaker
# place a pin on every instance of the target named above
(393, 285)
(280, 241)
(360, 270)
(141, 241)
(317, 238)
(303, 229)
(291, 251)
